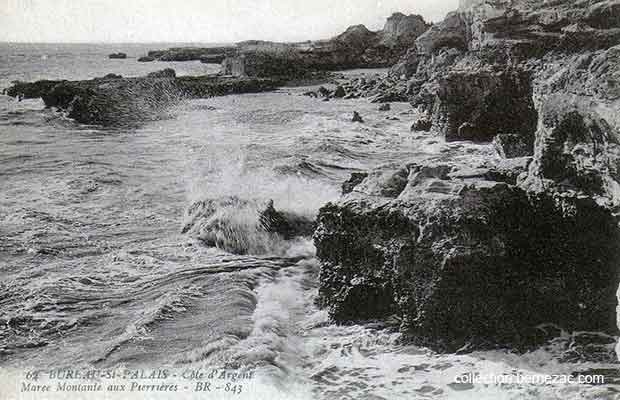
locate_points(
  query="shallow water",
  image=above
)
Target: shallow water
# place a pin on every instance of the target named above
(95, 271)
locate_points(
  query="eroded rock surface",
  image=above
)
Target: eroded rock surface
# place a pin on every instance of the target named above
(477, 254)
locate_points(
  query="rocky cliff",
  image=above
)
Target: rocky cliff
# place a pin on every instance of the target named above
(483, 253)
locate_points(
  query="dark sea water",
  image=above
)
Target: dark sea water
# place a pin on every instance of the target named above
(94, 270)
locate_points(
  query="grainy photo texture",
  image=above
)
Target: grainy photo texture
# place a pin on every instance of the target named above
(309, 200)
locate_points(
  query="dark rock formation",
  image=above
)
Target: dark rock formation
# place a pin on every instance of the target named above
(385, 107)
(118, 56)
(355, 179)
(115, 100)
(482, 254)
(479, 105)
(339, 92)
(357, 117)
(422, 124)
(146, 59)
(466, 260)
(512, 145)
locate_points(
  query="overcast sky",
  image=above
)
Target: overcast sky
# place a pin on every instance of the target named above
(215, 21)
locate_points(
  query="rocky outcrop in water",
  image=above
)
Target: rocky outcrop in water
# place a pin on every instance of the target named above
(480, 254)
(244, 226)
(119, 55)
(112, 101)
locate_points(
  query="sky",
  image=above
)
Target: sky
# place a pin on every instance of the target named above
(200, 21)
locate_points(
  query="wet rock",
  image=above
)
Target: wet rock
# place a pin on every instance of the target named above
(146, 59)
(428, 246)
(356, 117)
(117, 56)
(385, 107)
(422, 124)
(355, 179)
(339, 92)
(590, 347)
(324, 92)
(243, 226)
(286, 224)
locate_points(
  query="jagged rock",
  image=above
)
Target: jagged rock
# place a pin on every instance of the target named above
(451, 32)
(385, 107)
(324, 92)
(577, 149)
(479, 105)
(465, 260)
(355, 179)
(117, 56)
(511, 146)
(356, 117)
(402, 30)
(422, 124)
(590, 347)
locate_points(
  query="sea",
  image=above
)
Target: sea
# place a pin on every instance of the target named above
(96, 274)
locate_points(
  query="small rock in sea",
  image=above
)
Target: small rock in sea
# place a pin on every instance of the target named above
(356, 117)
(310, 94)
(146, 59)
(118, 56)
(385, 107)
(324, 92)
(422, 124)
(340, 93)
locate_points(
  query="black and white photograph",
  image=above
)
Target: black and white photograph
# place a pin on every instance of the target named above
(309, 200)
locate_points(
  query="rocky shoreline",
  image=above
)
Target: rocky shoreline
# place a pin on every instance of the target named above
(482, 255)
(460, 255)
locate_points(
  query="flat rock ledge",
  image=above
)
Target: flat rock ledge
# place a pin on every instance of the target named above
(114, 100)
